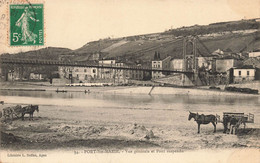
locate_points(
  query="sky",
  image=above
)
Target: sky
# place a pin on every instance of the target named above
(73, 23)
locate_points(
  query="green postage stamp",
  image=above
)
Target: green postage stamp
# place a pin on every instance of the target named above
(26, 24)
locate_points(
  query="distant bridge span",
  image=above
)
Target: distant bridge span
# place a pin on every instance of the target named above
(78, 64)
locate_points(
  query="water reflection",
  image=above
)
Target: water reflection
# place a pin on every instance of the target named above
(128, 99)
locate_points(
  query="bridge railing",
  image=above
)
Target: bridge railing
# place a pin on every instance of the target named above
(80, 64)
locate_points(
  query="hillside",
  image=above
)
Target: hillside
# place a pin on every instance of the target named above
(235, 36)
(45, 53)
(144, 49)
(215, 28)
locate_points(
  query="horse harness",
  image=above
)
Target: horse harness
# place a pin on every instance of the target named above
(201, 118)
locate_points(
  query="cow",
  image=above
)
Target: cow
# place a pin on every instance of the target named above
(29, 110)
(11, 111)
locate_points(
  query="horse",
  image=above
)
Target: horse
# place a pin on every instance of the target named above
(29, 110)
(203, 119)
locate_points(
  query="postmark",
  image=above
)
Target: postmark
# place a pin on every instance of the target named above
(26, 24)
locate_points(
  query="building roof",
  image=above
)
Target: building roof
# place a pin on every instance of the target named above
(257, 50)
(227, 57)
(252, 61)
(246, 67)
(161, 59)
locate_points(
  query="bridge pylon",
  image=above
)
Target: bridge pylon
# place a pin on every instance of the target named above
(190, 61)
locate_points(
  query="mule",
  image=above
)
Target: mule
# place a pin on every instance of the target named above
(29, 110)
(203, 119)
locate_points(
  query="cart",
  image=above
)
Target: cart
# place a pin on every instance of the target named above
(241, 117)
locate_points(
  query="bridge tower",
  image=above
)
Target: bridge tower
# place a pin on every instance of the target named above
(190, 59)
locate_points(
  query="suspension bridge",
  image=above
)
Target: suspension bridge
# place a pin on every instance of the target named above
(190, 68)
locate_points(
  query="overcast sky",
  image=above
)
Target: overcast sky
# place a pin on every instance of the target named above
(73, 23)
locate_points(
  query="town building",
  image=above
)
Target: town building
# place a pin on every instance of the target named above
(242, 74)
(106, 73)
(136, 74)
(13, 75)
(120, 75)
(36, 76)
(84, 74)
(224, 64)
(254, 54)
(65, 72)
(160, 64)
(177, 64)
(78, 74)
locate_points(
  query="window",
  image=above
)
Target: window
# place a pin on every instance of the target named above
(85, 70)
(77, 76)
(86, 77)
(94, 70)
(158, 66)
(239, 73)
(247, 73)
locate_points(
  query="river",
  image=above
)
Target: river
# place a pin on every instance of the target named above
(131, 108)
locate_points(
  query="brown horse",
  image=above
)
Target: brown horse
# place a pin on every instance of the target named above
(29, 110)
(203, 119)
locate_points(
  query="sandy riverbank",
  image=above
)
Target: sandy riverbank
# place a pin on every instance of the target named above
(63, 127)
(157, 90)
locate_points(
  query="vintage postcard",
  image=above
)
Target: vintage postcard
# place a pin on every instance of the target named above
(129, 81)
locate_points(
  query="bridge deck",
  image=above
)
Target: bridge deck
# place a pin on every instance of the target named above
(78, 64)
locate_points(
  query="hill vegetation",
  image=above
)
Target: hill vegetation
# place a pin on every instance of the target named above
(215, 28)
(235, 36)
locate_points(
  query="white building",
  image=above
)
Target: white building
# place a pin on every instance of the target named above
(245, 73)
(84, 74)
(254, 54)
(159, 64)
(78, 74)
(36, 76)
(120, 75)
(106, 73)
(224, 64)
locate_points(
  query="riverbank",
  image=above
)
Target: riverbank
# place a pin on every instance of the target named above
(75, 121)
(151, 90)
(71, 127)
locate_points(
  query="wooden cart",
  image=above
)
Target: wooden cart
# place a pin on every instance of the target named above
(241, 117)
